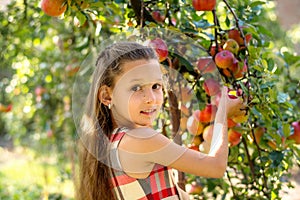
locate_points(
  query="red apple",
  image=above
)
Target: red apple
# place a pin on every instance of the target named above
(160, 47)
(258, 133)
(241, 71)
(186, 94)
(207, 114)
(206, 65)
(235, 34)
(208, 132)
(232, 46)
(39, 91)
(194, 126)
(213, 50)
(204, 5)
(231, 123)
(296, 134)
(234, 137)
(54, 8)
(4, 108)
(224, 59)
(211, 87)
(157, 16)
(194, 147)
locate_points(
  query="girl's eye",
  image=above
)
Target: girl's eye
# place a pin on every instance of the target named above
(156, 86)
(136, 88)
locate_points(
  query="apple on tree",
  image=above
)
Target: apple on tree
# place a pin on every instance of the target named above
(54, 8)
(211, 86)
(232, 46)
(193, 188)
(206, 65)
(5, 109)
(234, 137)
(194, 126)
(207, 114)
(296, 135)
(213, 50)
(157, 16)
(235, 34)
(204, 5)
(160, 47)
(224, 59)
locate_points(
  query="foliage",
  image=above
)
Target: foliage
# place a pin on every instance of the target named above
(41, 54)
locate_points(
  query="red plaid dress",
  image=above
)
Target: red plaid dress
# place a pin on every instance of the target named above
(158, 185)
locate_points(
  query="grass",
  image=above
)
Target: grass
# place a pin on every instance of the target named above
(24, 176)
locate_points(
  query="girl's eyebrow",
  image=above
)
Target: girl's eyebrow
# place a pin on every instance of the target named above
(141, 80)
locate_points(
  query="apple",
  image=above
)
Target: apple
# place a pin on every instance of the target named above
(204, 5)
(232, 46)
(213, 50)
(184, 110)
(224, 59)
(205, 147)
(49, 133)
(207, 114)
(183, 122)
(235, 34)
(211, 86)
(39, 91)
(193, 147)
(231, 123)
(208, 132)
(5, 109)
(241, 71)
(157, 16)
(186, 94)
(258, 133)
(54, 8)
(234, 137)
(240, 118)
(206, 65)
(193, 125)
(160, 47)
(193, 188)
(196, 141)
(71, 71)
(296, 135)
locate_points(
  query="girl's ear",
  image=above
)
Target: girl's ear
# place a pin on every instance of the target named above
(105, 94)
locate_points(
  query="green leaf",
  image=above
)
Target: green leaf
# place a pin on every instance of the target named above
(282, 97)
(286, 129)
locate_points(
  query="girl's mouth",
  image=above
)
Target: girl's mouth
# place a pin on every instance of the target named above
(148, 111)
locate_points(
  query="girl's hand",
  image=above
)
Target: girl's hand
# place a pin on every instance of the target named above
(234, 106)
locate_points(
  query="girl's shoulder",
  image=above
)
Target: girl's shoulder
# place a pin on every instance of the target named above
(143, 140)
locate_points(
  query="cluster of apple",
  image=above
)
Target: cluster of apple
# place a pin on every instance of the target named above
(260, 131)
(5, 108)
(55, 8)
(226, 55)
(200, 125)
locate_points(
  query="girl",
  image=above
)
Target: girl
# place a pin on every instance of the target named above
(122, 156)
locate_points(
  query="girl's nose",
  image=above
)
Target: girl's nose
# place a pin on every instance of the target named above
(149, 96)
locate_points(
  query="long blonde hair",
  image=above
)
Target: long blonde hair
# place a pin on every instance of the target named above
(97, 122)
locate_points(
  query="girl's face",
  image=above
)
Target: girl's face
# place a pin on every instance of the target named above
(137, 96)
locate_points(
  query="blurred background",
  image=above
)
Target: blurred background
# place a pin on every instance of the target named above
(39, 58)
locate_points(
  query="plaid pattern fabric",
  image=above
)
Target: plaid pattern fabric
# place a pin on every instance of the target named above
(157, 186)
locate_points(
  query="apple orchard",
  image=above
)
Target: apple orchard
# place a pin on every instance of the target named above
(238, 41)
